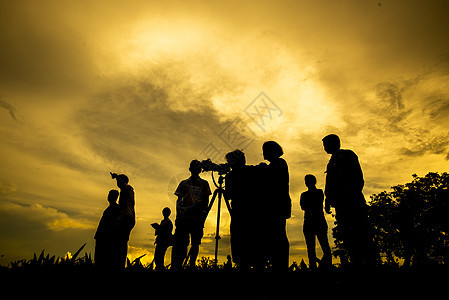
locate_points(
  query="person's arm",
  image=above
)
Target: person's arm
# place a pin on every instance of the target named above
(358, 174)
(180, 191)
(227, 192)
(179, 207)
(206, 195)
(329, 188)
(301, 201)
(324, 201)
(156, 226)
(327, 204)
(286, 187)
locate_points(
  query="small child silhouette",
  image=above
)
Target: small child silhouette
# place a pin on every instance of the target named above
(164, 238)
(311, 202)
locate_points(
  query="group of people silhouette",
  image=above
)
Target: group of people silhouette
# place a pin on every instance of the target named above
(260, 206)
(111, 238)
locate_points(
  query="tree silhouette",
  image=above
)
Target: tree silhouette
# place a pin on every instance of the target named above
(410, 223)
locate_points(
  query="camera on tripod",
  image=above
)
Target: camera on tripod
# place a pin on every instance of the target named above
(208, 165)
(222, 169)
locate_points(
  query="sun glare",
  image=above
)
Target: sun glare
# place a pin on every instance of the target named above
(150, 42)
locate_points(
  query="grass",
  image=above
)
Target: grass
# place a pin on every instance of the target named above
(85, 263)
(45, 275)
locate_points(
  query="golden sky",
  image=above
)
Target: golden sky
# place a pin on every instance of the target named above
(144, 87)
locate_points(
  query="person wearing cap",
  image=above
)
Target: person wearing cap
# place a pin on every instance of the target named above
(127, 215)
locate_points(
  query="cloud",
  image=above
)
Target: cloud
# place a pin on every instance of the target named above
(391, 93)
(437, 109)
(131, 126)
(11, 109)
(27, 229)
(51, 218)
(428, 145)
(7, 188)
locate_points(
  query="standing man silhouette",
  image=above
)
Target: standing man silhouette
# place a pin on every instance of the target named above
(344, 184)
(191, 206)
(127, 215)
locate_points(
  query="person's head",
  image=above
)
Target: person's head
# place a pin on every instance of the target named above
(166, 212)
(112, 196)
(236, 159)
(122, 181)
(271, 150)
(331, 143)
(310, 180)
(195, 167)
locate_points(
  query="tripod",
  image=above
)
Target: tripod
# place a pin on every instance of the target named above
(218, 191)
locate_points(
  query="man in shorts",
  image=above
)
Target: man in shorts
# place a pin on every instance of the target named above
(191, 209)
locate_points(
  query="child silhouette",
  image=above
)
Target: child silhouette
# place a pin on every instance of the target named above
(311, 202)
(164, 238)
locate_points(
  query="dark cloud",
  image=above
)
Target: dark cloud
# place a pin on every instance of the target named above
(11, 109)
(427, 144)
(392, 94)
(137, 127)
(437, 109)
(27, 229)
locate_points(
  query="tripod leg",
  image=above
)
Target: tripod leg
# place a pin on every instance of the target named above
(187, 257)
(211, 203)
(217, 235)
(228, 206)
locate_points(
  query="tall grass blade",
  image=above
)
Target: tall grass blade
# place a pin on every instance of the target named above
(41, 258)
(137, 260)
(78, 252)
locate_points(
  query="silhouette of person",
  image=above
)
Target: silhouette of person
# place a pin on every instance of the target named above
(311, 202)
(164, 238)
(227, 267)
(127, 215)
(191, 209)
(344, 184)
(280, 204)
(247, 222)
(106, 243)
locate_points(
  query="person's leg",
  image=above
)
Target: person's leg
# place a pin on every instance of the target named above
(122, 253)
(309, 236)
(196, 233)
(163, 251)
(158, 257)
(100, 254)
(285, 246)
(324, 243)
(179, 250)
(281, 249)
(125, 226)
(236, 242)
(194, 249)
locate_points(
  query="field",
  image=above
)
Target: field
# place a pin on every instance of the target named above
(77, 276)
